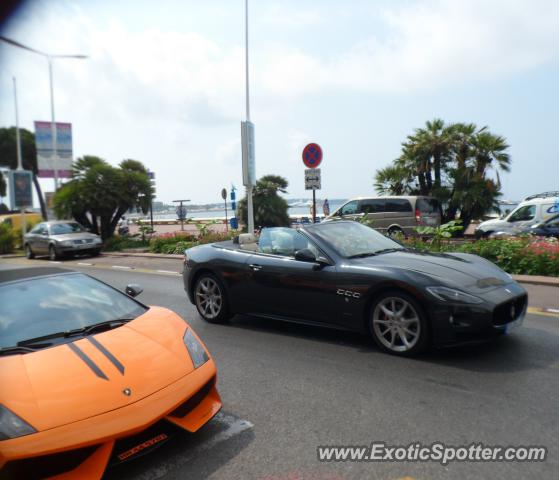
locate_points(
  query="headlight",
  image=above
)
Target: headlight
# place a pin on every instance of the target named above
(11, 426)
(197, 352)
(67, 243)
(453, 296)
(97, 240)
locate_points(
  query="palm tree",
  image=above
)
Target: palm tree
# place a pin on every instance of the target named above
(270, 210)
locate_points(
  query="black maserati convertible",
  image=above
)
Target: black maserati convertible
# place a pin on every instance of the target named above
(348, 276)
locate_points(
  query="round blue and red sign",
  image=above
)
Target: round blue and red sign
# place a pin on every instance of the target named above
(312, 155)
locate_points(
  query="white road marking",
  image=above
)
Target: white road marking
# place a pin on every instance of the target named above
(85, 264)
(235, 426)
(168, 271)
(552, 310)
(53, 261)
(121, 267)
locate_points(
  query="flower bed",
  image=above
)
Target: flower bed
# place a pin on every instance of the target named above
(521, 256)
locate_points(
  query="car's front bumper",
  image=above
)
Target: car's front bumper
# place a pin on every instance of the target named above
(503, 310)
(188, 403)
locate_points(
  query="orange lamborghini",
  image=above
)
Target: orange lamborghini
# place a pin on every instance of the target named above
(90, 377)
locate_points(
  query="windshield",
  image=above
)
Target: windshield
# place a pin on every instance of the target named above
(42, 306)
(64, 228)
(350, 239)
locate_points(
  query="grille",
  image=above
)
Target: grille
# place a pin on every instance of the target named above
(509, 311)
(186, 407)
(46, 465)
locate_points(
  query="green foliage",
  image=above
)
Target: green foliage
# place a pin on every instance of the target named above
(98, 194)
(166, 243)
(178, 243)
(520, 256)
(116, 243)
(440, 233)
(270, 210)
(451, 163)
(145, 229)
(7, 238)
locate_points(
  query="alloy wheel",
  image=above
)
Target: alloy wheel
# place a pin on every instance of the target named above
(209, 298)
(396, 324)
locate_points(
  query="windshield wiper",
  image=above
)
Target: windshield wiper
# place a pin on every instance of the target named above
(363, 255)
(388, 250)
(108, 325)
(21, 349)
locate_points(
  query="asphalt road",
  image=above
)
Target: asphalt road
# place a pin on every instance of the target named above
(287, 389)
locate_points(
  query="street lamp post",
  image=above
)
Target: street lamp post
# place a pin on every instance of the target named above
(250, 208)
(49, 58)
(19, 163)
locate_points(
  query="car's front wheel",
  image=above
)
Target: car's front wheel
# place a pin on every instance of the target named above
(53, 254)
(28, 252)
(210, 300)
(398, 325)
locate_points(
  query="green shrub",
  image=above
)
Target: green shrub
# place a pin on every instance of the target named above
(166, 242)
(116, 244)
(7, 238)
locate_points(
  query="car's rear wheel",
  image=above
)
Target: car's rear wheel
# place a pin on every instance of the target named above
(210, 300)
(398, 325)
(395, 232)
(53, 254)
(28, 252)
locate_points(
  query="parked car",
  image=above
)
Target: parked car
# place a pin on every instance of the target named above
(548, 228)
(533, 210)
(392, 215)
(348, 276)
(59, 238)
(91, 377)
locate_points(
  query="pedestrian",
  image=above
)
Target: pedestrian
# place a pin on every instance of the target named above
(326, 208)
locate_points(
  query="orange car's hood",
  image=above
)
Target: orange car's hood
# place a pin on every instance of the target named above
(93, 375)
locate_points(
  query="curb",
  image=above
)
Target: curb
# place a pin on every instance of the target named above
(143, 255)
(537, 280)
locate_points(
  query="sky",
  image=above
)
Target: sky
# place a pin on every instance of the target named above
(164, 84)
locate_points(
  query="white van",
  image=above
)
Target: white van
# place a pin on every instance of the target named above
(532, 210)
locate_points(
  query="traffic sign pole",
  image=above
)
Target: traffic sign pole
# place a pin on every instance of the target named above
(312, 156)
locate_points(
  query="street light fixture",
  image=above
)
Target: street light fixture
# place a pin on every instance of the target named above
(49, 57)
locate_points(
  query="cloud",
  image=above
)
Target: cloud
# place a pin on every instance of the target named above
(428, 45)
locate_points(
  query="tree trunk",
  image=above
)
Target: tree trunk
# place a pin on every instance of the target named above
(437, 167)
(41, 198)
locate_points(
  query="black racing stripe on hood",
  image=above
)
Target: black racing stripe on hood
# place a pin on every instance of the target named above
(87, 361)
(109, 355)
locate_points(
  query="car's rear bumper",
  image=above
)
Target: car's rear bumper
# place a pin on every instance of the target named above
(455, 324)
(188, 403)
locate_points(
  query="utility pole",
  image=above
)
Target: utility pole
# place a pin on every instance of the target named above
(19, 163)
(249, 185)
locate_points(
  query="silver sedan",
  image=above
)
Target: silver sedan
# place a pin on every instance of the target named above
(59, 238)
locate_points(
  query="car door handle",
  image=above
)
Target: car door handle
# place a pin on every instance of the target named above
(255, 267)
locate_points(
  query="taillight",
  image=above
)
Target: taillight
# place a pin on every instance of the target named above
(417, 215)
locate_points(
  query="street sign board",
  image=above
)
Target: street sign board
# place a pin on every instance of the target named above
(247, 143)
(224, 193)
(43, 142)
(312, 155)
(313, 179)
(21, 192)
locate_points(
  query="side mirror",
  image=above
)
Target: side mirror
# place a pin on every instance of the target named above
(133, 290)
(305, 255)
